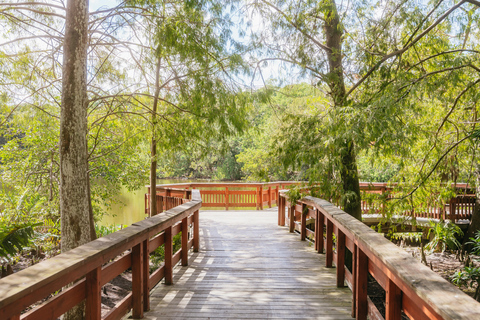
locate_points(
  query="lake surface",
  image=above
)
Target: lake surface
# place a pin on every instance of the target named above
(131, 205)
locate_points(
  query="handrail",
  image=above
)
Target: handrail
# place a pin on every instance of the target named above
(260, 195)
(167, 198)
(410, 286)
(90, 268)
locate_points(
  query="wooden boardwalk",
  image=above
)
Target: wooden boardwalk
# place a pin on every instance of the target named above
(249, 268)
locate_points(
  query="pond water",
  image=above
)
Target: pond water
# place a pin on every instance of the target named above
(131, 205)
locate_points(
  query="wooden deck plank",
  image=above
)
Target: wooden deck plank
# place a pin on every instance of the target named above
(249, 268)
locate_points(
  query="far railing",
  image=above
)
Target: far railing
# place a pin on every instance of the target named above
(458, 208)
(168, 198)
(96, 263)
(410, 286)
(229, 195)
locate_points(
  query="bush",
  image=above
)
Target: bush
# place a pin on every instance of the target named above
(470, 276)
(444, 237)
(158, 256)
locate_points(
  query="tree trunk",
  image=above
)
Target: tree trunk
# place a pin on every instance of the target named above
(153, 151)
(74, 189)
(475, 222)
(351, 186)
(351, 200)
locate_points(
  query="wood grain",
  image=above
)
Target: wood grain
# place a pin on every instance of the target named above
(249, 268)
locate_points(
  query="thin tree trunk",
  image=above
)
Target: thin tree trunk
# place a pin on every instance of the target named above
(153, 151)
(349, 173)
(74, 189)
(475, 222)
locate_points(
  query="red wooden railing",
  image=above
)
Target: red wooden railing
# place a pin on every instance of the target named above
(259, 195)
(230, 194)
(96, 263)
(168, 198)
(410, 286)
(459, 207)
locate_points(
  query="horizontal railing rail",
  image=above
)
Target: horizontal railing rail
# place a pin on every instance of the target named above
(229, 195)
(259, 195)
(410, 286)
(96, 263)
(167, 198)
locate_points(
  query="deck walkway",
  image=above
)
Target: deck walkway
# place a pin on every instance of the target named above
(249, 268)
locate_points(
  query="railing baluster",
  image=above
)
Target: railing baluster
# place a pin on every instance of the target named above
(196, 232)
(137, 281)
(93, 302)
(269, 197)
(146, 273)
(361, 287)
(261, 197)
(226, 198)
(329, 245)
(168, 256)
(291, 216)
(303, 229)
(354, 280)
(393, 301)
(320, 220)
(281, 211)
(185, 242)
(340, 259)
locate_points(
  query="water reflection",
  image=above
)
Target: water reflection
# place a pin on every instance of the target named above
(131, 205)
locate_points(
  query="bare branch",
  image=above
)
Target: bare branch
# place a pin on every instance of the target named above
(405, 48)
(297, 27)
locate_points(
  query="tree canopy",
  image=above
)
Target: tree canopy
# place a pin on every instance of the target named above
(389, 91)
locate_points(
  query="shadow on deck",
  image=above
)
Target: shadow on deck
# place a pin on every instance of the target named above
(249, 268)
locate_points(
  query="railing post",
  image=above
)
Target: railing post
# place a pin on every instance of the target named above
(361, 303)
(261, 197)
(159, 200)
(291, 215)
(147, 209)
(329, 245)
(146, 274)
(320, 220)
(226, 198)
(93, 302)
(258, 198)
(354, 280)
(393, 301)
(137, 281)
(168, 256)
(281, 211)
(269, 196)
(452, 215)
(185, 241)
(303, 229)
(340, 259)
(277, 194)
(196, 232)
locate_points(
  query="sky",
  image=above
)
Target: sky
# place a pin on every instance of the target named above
(269, 71)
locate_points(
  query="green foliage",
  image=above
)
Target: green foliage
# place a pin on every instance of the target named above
(295, 193)
(475, 243)
(469, 276)
(102, 231)
(26, 220)
(158, 256)
(267, 154)
(444, 237)
(14, 238)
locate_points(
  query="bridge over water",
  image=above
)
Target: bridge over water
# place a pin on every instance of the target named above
(244, 264)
